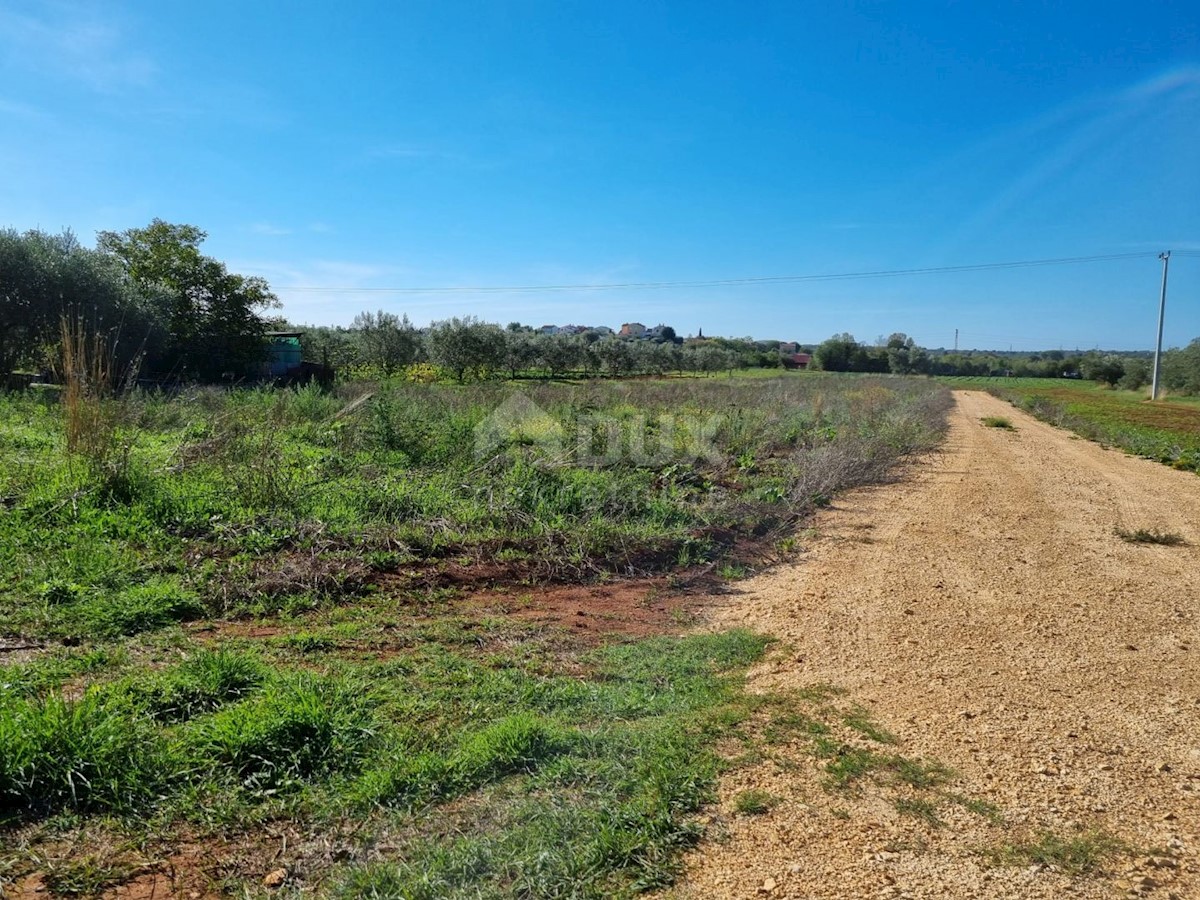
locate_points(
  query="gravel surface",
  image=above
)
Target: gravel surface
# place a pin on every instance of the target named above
(985, 612)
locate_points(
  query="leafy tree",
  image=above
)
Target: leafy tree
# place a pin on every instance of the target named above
(466, 346)
(1181, 369)
(44, 277)
(388, 341)
(208, 313)
(520, 351)
(331, 345)
(1107, 369)
(617, 356)
(904, 357)
(1137, 374)
(561, 353)
(838, 354)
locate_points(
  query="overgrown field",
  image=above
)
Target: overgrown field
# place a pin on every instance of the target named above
(1166, 430)
(243, 639)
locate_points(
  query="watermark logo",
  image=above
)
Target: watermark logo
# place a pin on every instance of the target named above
(597, 439)
(519, 421)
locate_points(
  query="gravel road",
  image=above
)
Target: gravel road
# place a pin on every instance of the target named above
(985, 612)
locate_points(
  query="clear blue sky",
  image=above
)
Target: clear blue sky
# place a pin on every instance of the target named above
(406, 144)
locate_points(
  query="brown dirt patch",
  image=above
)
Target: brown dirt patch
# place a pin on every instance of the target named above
(592, 612)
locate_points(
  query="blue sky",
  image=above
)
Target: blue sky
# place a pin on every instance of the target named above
(443, 144)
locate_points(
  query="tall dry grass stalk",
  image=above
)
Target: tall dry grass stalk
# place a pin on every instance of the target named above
(85, 365)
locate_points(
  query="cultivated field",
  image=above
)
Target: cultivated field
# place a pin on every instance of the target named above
(400, 640)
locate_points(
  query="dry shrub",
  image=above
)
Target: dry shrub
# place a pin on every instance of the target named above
(85, 365)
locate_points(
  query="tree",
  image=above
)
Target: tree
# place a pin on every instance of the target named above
(904, 357)
(616, 355)
(519, 350)
(46, 277)
(466, 346)
(1137, 374)
(1108, 369)
(1181, 369)
(388, 341)
(209, 314)
(561, 353)
(836, 354)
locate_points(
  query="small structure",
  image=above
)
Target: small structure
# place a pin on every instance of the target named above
(286, 365)
(632, 330)
(284, 352)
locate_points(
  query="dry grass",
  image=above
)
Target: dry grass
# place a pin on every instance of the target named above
(85, 365)
(1150, 536)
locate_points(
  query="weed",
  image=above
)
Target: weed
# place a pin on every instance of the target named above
(307, 642)
(95, 753)
(201, 684)
(998, 422)
(846, 764)
(981, 808)
(294, 729)
(1082, 854)
(86, 876)
(860, 720)
(1150, 536)
(924, 810)
(785, 725)
(754, 802)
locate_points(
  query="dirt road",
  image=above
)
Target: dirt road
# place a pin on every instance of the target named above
(986, 614)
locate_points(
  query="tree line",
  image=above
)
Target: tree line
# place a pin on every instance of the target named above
(384, 344)
(900, 355)
(169, 312)
(164, 308)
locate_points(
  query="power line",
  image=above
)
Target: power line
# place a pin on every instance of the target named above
(724, 282)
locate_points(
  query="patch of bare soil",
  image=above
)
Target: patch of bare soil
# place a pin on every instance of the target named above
(593, 612)
(985, 613)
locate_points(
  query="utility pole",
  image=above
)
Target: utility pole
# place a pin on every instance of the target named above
(955, 340)
(1162, 308)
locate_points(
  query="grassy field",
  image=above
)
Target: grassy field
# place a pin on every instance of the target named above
(1167, 430)
(290, 641)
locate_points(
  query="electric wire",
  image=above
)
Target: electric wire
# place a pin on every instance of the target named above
(730, 282)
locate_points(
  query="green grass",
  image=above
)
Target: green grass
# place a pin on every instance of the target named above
(1166, 430)
(1082, 854)
(253, 611)
(754, 802)
(998, 422)
(921, 809)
